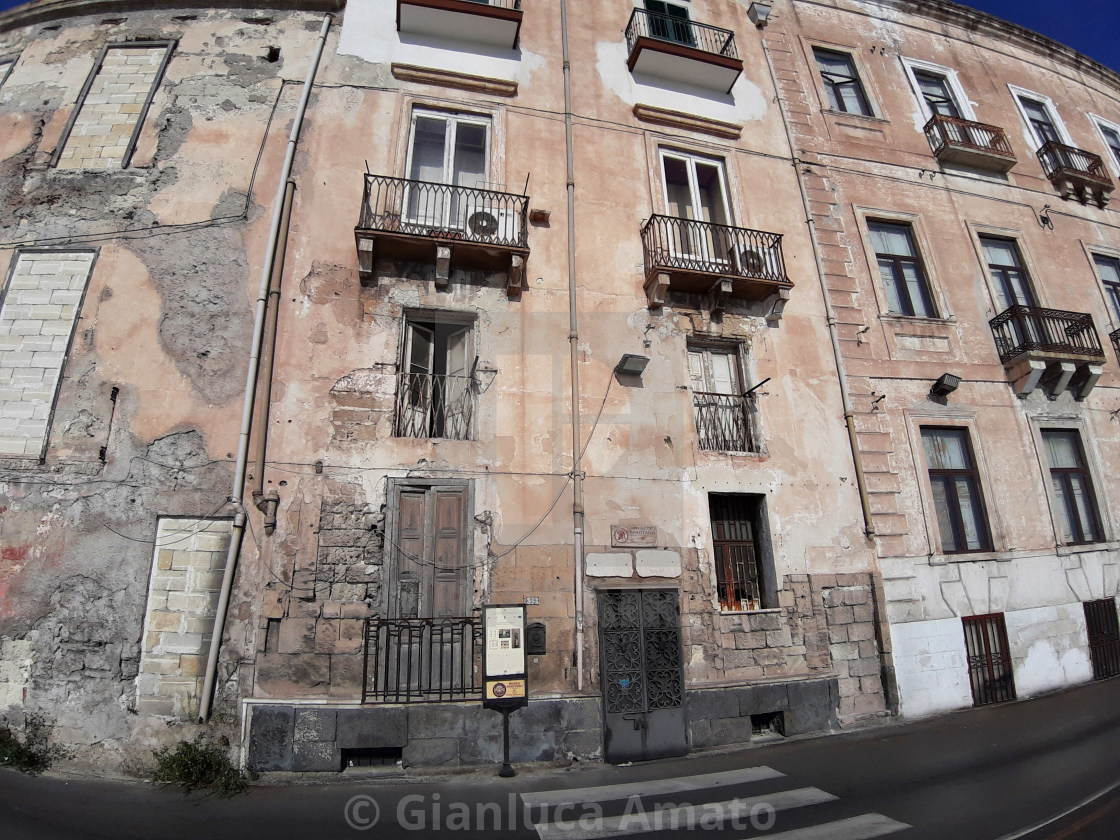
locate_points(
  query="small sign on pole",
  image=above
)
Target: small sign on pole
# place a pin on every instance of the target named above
(505, 676)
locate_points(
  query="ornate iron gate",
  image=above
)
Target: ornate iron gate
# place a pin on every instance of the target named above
(1104, 637)
(989, 659)
(641, 675)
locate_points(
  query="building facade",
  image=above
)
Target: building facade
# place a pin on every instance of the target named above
(761, 360)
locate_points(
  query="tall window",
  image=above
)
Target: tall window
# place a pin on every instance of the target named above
(722, 413)
(1078, 519)
(1009, 277)
(452, 150)
(738, 537)
(669, 22)
(901, 270)
(1041, 120)
(937, 93)
(961, 519)
(841, 82)
(1112, 138)
(435, 391)
(694, 190)
(1108, 268)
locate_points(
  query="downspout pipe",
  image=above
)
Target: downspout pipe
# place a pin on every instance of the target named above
(830, 314)
(573, 349)
(236, 493)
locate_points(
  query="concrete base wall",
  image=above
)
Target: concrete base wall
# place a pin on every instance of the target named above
(719, 716)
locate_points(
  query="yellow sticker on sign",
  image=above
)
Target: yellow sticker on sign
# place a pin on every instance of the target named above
(504, 689)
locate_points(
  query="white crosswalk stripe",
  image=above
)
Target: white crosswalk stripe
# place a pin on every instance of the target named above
(578, 813)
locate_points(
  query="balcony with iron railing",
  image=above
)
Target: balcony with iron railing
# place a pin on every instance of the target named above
(969, 143)
(1076, 173)
(495, 23)
(723, 422)
(401, 218)
(433, 405)
(701, 257)
(1049, 346)
(681, 50)
(1114, 337)
(422, 660)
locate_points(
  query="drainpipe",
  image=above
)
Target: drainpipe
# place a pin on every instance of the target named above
(573, 345)
(236, 496)
(830, 314)
(268, 504)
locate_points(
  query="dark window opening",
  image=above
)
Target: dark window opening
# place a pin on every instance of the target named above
(1109, 270)
(669, 22)
(901, 269)
(841, 82)
(768, 724)
(957, 500)
(1041, 121)
(371, 757)
(1104, 637)
(436, 388)
(1076, 503)
(741, 544)
(989, 659)
(935, 90)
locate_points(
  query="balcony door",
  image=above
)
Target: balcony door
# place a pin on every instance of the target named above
(669, 22)
(720, 409)
(1042, 122)
(1010, 280)
(449, 156)
(696, 194)
(435, 398)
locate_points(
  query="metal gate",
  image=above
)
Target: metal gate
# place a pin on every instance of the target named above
(989, 659)
(1104, 637)
(641, 676)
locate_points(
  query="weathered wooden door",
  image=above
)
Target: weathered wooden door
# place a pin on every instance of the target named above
(641, 674)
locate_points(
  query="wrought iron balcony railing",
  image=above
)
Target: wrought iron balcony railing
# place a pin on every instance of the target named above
(1114, 337)
(1062, 161)
(723, 422)
(971, 141)
(433, 405)
(687, 33)
(422, 660)
(443, 211)
(671, 243)
(1023, 329)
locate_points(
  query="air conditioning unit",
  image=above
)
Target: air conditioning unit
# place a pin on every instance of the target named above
(493, 224)
(757, 262)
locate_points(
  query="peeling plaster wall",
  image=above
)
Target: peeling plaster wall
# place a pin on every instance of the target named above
(149, 396)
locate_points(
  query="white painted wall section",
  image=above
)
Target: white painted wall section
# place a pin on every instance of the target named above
(930, 666)
(1049, 648)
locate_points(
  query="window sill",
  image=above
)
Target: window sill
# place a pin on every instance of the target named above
(1083, 548)
(852, 115)
(762, 611)
(898, 317)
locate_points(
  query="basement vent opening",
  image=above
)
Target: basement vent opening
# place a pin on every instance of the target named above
(768, 725)
(371, 757)
(273, 55)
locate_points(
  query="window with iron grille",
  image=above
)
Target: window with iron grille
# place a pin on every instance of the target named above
(1104, 637)
(720, 406)
(957, 500)
(435, 384)
(841, 82)
(744, 577)
(1074, 500)
(901, 269)
(989, 659)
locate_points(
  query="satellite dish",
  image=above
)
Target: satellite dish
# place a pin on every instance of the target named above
(482, 223)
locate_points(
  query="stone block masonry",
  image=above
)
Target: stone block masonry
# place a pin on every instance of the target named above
(102, 132)
(40, 306)
(190, 557)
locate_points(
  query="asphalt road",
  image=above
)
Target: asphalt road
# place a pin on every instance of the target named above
(1036, 770)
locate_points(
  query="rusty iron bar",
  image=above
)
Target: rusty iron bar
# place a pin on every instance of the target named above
(422, 660)
(945, 132)
(1058, 159)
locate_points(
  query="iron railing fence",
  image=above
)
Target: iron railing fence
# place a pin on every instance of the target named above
(700, 36)
(1019, 329)
(422, 660)
(444, 211)
(684, 244)
(431, 405)
(723, 422)
(1059, 159)
(953, 132)
(515, 5)
(1114, 337)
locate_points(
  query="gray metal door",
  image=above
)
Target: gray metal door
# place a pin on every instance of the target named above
(641, 676)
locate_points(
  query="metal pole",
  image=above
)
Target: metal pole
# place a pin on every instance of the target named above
(507, 770)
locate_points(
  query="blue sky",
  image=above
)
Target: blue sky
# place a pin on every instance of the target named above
(1090, 26)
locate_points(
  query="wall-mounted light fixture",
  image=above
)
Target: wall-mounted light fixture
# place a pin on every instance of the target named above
(1044, 219)
(946, 384)
(759, 13)
(631, 365)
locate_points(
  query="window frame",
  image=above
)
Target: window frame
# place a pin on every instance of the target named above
(1062, 507)
(434, 318)
(1102, 125)
(456, 117)
(1019, 94)
(762, 547)
(954, 513)
(735, 351)
(912, 66)
(856, 78)
(157, 81)
(901, 286)
(1109, 289)
(865, 215)
(690, 160)
(1024, 265)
